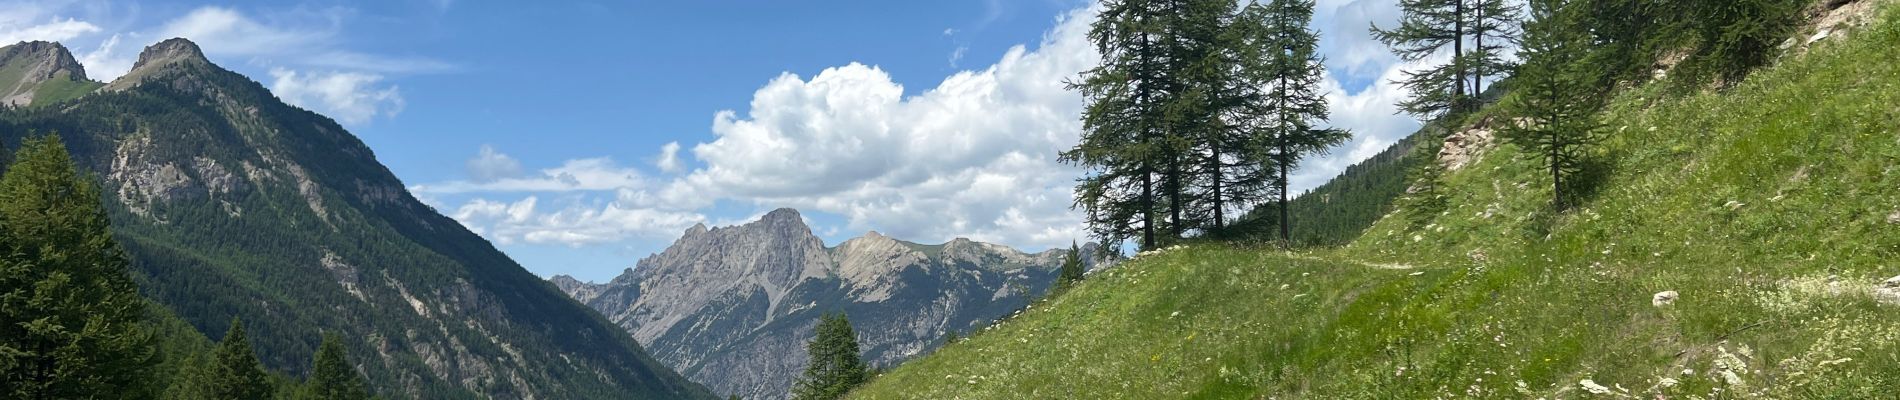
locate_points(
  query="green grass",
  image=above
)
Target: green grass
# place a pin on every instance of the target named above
(1767, 206)
(62, 88)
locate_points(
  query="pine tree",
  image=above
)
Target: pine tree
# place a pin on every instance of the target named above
(835, 366)
(234, 372)
(1555, 101)
(331, 376)
(1290, 111)
(71, 320)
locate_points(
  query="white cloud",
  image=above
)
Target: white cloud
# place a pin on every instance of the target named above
(973, 157)
(350, 97)
(224, 31)
(669, 160)
(588, 174)
(490, 165)
(58, 30)
(574, 225)
(108, 60)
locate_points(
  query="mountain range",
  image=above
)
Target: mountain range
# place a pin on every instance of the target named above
(231, 203)
(733, 307)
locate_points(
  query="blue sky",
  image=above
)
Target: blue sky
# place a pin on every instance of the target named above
(582, 136)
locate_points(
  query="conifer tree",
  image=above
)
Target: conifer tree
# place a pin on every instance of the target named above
(332, 377)
(835, 366)
(1292, 107)
(71, 320)
(1123, 124)
(1493, 29)
(1555, 101)
(234, 372)
(1425, 29)
(1072, 268)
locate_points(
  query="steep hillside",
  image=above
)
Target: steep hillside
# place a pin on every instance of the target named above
(1736, 244)
(39, 73)
(232, 203)
(733, 307)
(1336, 212)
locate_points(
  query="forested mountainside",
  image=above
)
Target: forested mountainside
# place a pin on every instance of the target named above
(733, 307)
(1733, 240)
(231, 203)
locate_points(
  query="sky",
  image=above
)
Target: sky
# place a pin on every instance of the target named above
(581, 136)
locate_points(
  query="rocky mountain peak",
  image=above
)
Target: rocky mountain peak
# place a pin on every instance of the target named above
(783, 216)
(160, 57)
(170, 51)
(27, 66)
(697, 229)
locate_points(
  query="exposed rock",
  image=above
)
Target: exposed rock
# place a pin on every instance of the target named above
(1463, 147)
(1889, 291)
(346, 275)
(1664, 298)
(142, 179)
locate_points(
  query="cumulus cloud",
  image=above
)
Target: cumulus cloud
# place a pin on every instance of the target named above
(973, 156)
(350, 97)
(490, 165)
(574, 225)
(669, 160)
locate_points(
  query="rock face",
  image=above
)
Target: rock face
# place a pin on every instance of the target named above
(28, 69)
(231, 203)
(733, 307)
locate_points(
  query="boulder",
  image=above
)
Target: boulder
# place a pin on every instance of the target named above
(1664, 298)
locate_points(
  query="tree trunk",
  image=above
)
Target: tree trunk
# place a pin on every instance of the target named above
(1458, 56)
(1219, 217)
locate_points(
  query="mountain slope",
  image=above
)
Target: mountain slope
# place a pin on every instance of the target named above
(1771, 210)
(39, 73)
(232, 203)
(733, 307)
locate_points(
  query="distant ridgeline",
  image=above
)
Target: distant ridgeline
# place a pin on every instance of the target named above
(733, 307)
(233, 204)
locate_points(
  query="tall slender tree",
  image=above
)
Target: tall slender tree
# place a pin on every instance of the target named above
(1293, 108)
(71, 320)
(835, 366)
(1556, 100)
(1493, 29)
(1425, 29)
(1123, 123)
(331, 376)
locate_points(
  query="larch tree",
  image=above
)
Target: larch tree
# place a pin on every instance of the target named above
(1292, 109)
(72, 324)
(836, 365)
(1425, 29)
(1493, 29)
(1555, 101)
(1123, 123)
